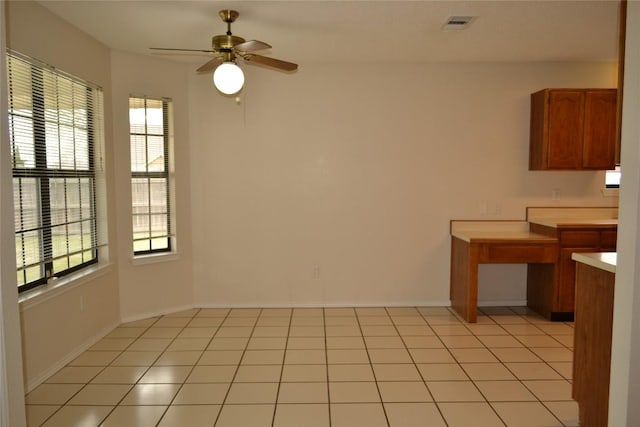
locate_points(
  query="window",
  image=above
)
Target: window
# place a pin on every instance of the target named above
(149, 139)
(54, 122)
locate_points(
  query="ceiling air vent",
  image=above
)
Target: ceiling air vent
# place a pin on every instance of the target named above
(458, 22)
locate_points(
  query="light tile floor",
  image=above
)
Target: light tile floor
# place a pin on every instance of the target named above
(339, 367)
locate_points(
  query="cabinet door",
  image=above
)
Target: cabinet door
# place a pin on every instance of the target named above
(600, 130)
(565, 298)
(609, 240)
(580, 239)
(565, 293)
(566, 129)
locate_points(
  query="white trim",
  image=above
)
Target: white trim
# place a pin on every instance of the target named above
(503, 303)
(35, 382)
(57, 287)
(4, 391)
(12, 413)
(310, 305)
(157, 313)
(443, 303)
(155, 258)
(625, 372)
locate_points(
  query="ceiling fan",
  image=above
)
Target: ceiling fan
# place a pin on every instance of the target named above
(227, 48)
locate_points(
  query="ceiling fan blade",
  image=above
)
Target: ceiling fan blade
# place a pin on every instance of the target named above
(271, 62)
(182, 54)
(181, 50)
(251, 46)
(210, 65)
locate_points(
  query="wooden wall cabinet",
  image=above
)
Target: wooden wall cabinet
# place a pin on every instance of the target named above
(573, 129)
(554, 297)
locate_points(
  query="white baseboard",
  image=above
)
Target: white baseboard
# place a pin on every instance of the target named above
(35, 382)
(502, 303)
(431, 303)
(156, 313)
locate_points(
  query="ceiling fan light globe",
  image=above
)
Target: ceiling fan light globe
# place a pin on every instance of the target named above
(228, 78)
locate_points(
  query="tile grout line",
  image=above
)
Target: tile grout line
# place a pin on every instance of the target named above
(146, 370)
(493, 408)
(151, 365)
(326, 362)
(375, 378)
(84, 385)
(194, 364)
(284, 359)
(521, 381)
(244, 351)
(132, 385)
(420, 373)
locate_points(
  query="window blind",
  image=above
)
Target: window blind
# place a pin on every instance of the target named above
(55, 120)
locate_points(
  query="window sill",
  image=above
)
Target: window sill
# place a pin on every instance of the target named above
(610, 192)
(58, 286)
(155, 258)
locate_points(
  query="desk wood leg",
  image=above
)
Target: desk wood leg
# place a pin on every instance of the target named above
(541, 282)
(464, 279)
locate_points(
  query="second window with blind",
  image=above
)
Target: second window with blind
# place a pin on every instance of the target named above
(149, 136)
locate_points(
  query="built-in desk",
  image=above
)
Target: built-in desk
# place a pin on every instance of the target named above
(578, 229)
(492, 242)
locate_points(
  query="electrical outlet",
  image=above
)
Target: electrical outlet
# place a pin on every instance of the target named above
(482, 207)
(81, 304)
(555, 194)
(316, 272)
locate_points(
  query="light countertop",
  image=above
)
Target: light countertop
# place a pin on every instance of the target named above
(567, 217)
(575, 222)
(493, 231)
(602, 260)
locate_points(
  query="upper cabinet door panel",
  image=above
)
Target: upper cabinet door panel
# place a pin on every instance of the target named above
(566, 126)
(600, 130)
(573, 129)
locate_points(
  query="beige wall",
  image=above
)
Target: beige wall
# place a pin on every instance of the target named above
(55, 329)
(163, 286)
(335, 185)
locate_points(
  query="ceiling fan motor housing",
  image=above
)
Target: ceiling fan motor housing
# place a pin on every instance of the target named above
(222, 42)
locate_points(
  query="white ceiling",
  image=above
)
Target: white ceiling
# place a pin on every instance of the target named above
(361, 31)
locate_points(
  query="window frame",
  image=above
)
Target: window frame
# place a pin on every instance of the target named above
(149, 175)
(45, 175)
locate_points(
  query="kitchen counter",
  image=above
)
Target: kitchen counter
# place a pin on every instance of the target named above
(545, 241)
(576, 222)
(496, 231)
(603, 260)
(578, 229)
(570, 217)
